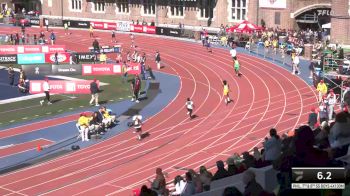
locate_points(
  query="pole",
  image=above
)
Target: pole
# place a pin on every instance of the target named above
(62, 8)
(156, 9)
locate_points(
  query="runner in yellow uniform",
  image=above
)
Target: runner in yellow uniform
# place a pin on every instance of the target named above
(226, 92)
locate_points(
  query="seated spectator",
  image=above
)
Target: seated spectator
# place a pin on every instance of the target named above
(145, 191)
(252, 188)
(196, 180)
(321, 136)
(159, 183)
(84, 126)
(231, 167)
(272, 146)
(190, 188)
(258, 158)
(22, 86)
(179, 186)
(221, 172)
(231, 191)
(205, 177)
(248, 160)
(340, 132)
(305, 154)
(96, 123)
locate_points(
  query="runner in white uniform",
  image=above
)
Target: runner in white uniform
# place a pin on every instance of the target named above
(189, 106)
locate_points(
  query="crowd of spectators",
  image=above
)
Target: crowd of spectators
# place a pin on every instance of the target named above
(319, 146)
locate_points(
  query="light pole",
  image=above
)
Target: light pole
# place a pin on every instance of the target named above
(156, 9)
(62, 9)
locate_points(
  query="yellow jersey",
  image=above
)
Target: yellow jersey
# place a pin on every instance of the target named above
(322, 87)
(226, 89)
(83, 121)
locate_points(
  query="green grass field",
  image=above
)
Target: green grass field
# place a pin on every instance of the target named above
(30, 109)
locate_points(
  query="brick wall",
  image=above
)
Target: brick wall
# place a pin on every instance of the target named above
(340, 27)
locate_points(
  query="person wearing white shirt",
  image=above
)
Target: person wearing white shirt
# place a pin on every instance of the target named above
(189, 106)
(46, 88)
(296, 65)
(233, 53)
(332, 100)
(179, 186)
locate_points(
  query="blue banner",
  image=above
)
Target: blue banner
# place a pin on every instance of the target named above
(31, 58)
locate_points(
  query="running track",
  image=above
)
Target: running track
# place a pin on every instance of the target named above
(266, 96)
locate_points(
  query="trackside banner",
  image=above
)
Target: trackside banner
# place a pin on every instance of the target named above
(61, 57)
(109, 69)
(28, 49)
(61, 86)
(104, 25)
(143, 29)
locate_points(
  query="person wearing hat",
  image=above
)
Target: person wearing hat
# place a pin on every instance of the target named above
(94, 92)
(332, 100)
(84, 124)
(46, 88)
(322, 90)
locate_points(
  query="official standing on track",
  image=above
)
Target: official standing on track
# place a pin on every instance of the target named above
(158, 59)
(136, 86)
(46, 88)
(94, 92)
(11, 73)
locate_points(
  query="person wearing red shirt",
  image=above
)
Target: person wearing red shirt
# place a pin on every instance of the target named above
(136, 86)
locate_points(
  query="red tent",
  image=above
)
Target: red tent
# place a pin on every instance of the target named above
(244, 27)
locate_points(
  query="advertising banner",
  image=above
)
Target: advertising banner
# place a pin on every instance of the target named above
(123, 26)
(162, 31)
(273, 3)
(77, 24)
(54, 48)
(35, 21)
(61, 86)
(8, 49)
(100, 69)
(143, 29)
(38, 69)
(61, 57)
(66, 69)
(175, 32)
(104, 25)
(149, 29)
(27, 49)
(104, 49)
(31, 58)
(85, 57)
(8, 59)
(134, 68)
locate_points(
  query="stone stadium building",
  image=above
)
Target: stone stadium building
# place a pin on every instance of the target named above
(286, 14)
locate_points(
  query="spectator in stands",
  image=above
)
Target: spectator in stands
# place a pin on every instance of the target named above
(179, 186)
(321, 136)
(145, 191)
(196, 180)
(323, 110)
(231, 191)
(231, 167)
(312, 118)
(190, 188)
(248, 160)
(257, 158)
(340, 132)
(205, 177)
(252, 188)
(94, 92)
(11, 75)
(159, 183)
(221, 172)
(322, 90)
(305, 154)
(84, 126)
(272, 146)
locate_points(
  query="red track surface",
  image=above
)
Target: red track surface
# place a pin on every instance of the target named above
(24, 147)
(266, 96)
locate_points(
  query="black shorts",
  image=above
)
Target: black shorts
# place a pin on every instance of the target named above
(113, 35)
(190, 110)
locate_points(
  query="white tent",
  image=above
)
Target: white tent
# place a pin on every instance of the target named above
(326, 26)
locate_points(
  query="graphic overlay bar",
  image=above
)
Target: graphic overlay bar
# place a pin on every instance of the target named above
(318, 178)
